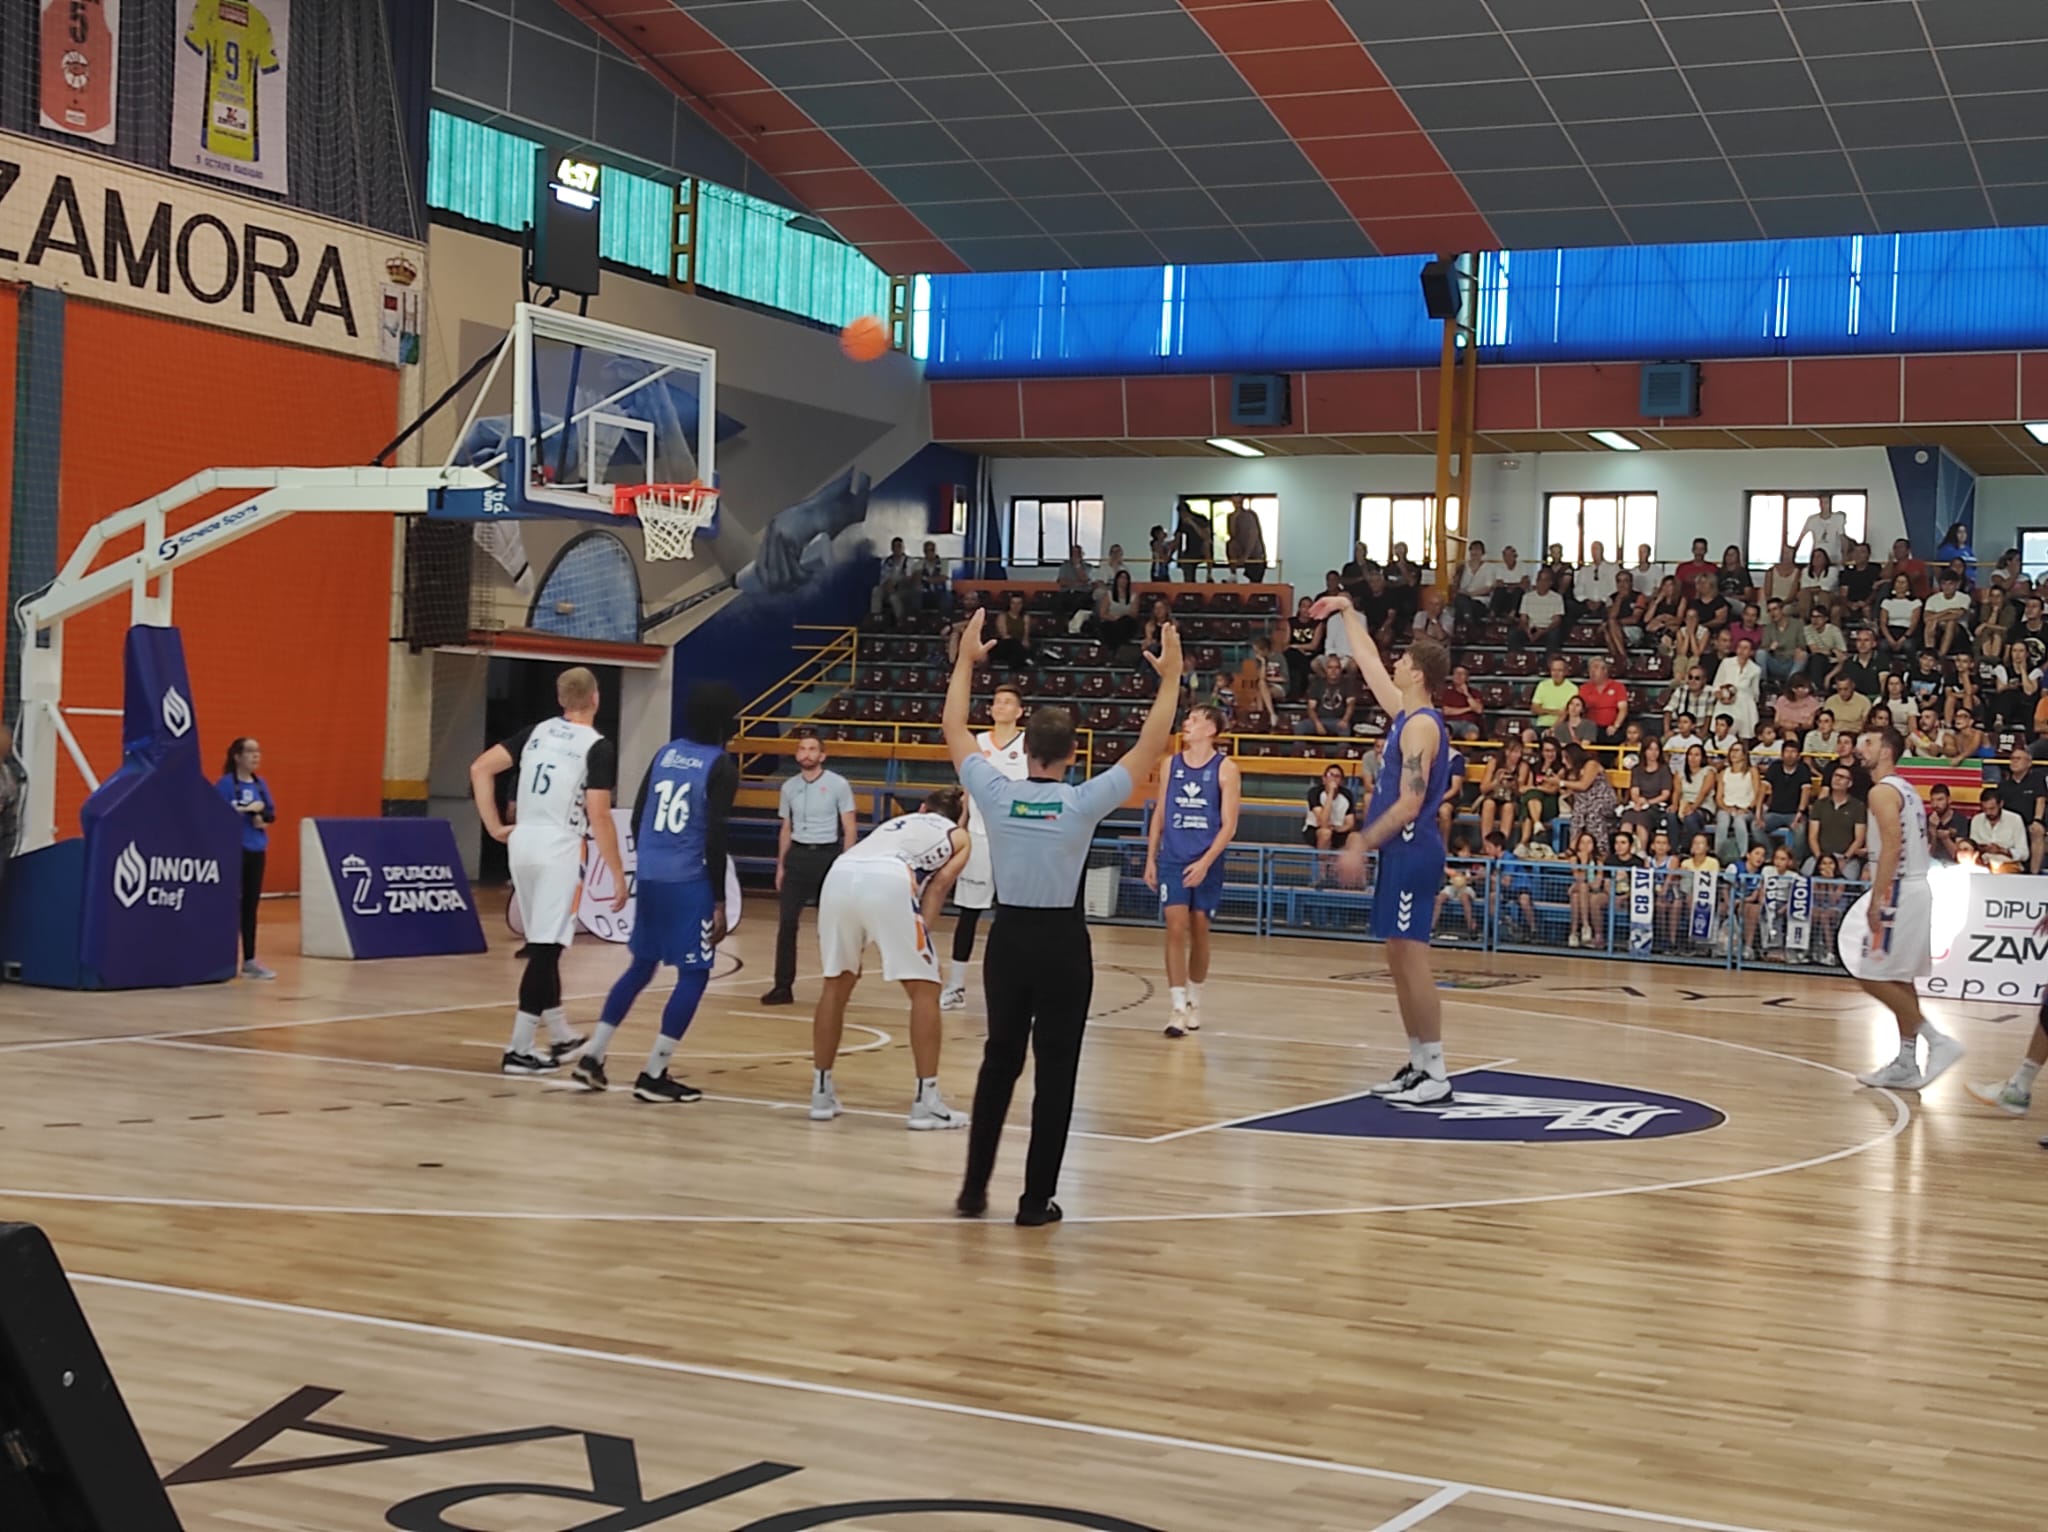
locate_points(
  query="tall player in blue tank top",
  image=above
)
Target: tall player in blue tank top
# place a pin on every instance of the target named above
(679, 833)
(1414, 774)
(1192, 825)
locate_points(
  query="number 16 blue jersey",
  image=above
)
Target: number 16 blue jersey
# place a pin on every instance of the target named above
(673, 820)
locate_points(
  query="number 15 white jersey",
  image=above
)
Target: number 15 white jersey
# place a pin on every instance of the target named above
(558, 761)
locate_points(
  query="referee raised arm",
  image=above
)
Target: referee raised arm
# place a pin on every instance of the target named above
(1039, 972)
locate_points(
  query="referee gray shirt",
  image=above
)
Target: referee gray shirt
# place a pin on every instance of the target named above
(813, 808)
(1039, 832)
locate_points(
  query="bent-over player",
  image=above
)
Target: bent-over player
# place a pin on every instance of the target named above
(888, 890)
(567, 775)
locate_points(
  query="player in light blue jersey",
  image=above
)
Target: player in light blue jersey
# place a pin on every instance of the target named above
(679, 830)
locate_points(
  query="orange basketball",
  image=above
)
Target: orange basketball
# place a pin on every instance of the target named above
(865, 339)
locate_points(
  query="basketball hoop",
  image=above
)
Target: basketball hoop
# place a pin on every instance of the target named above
(671, 515)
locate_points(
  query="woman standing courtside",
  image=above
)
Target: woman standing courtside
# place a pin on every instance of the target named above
(249, 795)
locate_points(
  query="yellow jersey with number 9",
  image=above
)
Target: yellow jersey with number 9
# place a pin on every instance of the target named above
(234, 37)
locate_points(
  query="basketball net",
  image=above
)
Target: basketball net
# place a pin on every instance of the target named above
(671, 515)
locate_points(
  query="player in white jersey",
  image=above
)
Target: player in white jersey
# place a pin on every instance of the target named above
(567, 775)
(888, 890)
(1887, 938)
(1003, 748)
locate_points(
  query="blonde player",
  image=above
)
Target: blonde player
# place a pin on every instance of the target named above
(887, 890)
(1887, 938)
(567, 775)
(1003, 748)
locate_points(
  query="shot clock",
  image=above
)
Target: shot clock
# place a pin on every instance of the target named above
(565, 214)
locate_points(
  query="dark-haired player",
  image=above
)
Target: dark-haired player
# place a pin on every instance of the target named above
(888, 890)
(1887, 938)
(1414, 774)
(1002, 746)
(679, 828)
(1192, 825)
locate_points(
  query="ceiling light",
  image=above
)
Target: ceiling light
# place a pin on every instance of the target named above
(2038, 429)
(1615, 440)
(1234, 447)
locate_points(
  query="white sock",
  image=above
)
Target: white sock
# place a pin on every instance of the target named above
(821, 1080)
(524, 1025)
(1909, 1047)
(2023, 1077)
(1414, 1053)
(559, 1030)
(927, 1087)
(1432, 1061)
(1194, 994)
(664, 1049)
(956, 974)
(1931, 1032)
(600, 1039)
(1177, 996)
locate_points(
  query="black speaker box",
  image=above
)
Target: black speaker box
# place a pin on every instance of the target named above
(1440, 289)
(71, 1459)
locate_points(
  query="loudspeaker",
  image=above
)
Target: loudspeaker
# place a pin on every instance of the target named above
(71, 1459)
(1440, 290)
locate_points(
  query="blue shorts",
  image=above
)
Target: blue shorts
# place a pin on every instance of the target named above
(1404, 897)
(1202, 899)
(672, 923)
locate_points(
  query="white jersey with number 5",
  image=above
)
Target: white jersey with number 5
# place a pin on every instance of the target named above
(553, 771)
(921, 842)
(1913, 857)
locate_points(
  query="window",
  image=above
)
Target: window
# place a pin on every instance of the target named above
(2034, 552)
(1041, 531)
(1215, 511)
(1620, 524)
(1384, 520)
(1775, 515)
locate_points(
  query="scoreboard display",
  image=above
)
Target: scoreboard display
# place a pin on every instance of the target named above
(567, 194)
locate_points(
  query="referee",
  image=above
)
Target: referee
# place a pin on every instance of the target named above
(1039, 973)
(818, 822)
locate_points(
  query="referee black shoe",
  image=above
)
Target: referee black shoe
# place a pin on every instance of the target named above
(971, 1204)
(1032, 1217)
(779, 996)
(1404, 1079)
(663, 1090)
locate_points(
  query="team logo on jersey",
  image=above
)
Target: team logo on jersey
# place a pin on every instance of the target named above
(1492, 1105)
(1191, 793)
(177, 713)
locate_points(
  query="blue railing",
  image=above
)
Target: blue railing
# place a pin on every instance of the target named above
(1509, 906)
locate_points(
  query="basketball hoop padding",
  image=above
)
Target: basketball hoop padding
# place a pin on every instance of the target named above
(670, 515)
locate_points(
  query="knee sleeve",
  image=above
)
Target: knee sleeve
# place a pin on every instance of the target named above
(963, 935)
(540, 987)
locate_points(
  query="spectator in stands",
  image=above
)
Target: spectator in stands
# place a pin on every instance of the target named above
(1781, 580)
(2033, 629)
(897, 587)
(1624, 856)
(1645, 569)
(1304, 644)
(1076, 582)
(1665, 615)
(1830, 902)
(1713, 607)
(1850, 706)
(1650, 787)
(1279, 678)
(1551, 694)
(1630, 750)
(970, 603)
(1905, 562)
(1107, 571)
(1573, 726)
(1788, 785)
(1998, 612)
(1925, 683)
(1683, 736)
(933, 581)
(1967, 742)
(1162, 555)
(1721, 737)
(1544, 795)
(1593, 585)
(1332, 812)
(1699, 564)
(2000, 838)
(1158, 617)
(1947, 616)
(1836, 825)
(1899, 624)
(1467, 885)
(1194, 543)
(1928, 737)
(1246, 545)
(1592, 804)
(1738, 686)
(1330, 705)
(1463, 717)
(2021, 705)
(1795, 709)
(1116, 613)
(1624, 626)
(1747, 626)
(1963, 689)
(1606, 700)
(1500, 794)
(1825, 647)
(1013, 646)
(1944, 824)
(1690, 693)
(1378, 605)
(1250, 701)
(1895, 699)
(1432, 619)
(1700, 866)
(1589, 893)
(1740, 792)
(2023, 788)
(1856, 581)
(1541, 619)
(1516, 881)
(819, 821)
(1511, 583)
(1693, 803)
(1829, 529)
(1472, 585)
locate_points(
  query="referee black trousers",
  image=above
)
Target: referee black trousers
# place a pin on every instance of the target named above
(803, 875)
(1039, 976)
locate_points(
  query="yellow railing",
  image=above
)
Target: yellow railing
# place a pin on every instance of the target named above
(840, 646)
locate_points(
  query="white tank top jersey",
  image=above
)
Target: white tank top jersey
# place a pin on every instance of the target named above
(922, 842)
(1009, 760)
(1912, 824)
(554, 767)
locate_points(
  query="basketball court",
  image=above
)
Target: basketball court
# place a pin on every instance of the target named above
(345, 1272)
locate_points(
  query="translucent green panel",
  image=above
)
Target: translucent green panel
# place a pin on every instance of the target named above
(635, 230)
(745, 247)
(479, 173)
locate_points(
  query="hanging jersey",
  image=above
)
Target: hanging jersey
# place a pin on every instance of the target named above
(1194, 808)
(558, 762)
(78, 70)
(1913, 857)
(1008, 759)
(1388, 787)
(672, 818)
(921, 842)
(235, 38)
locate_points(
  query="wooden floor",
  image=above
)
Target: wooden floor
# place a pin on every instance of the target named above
(311, 1213)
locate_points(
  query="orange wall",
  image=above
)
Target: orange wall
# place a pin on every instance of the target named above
(287, 632)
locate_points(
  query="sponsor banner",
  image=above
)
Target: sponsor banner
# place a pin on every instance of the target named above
(106, 231)
(1984, 938)
(1700, 916)
(78, 79)
(230, 103)
(1499, 1107)
(1798, 914)
(162, 886)
(1642, 912)
(384, 888)
(594, 910)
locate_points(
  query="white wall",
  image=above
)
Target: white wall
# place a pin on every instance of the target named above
(1700, 494)
(2004, 505)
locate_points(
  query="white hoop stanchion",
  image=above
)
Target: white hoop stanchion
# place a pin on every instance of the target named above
(671, 515)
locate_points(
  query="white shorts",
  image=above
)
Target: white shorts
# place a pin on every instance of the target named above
(547, 875)
(1907, 953)
(872, 900)
(976, 888)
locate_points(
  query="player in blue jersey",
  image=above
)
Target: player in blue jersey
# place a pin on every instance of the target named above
(1406, 830)
(1192, 825)
(679, 830)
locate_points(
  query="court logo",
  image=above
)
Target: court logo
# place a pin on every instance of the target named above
(177, 713)
(1499, 1107)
